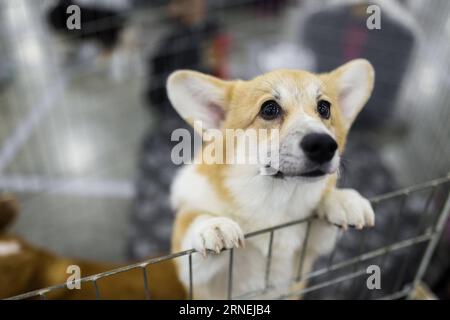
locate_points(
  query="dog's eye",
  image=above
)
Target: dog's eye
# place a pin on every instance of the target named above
(270, 110)
(323, 108)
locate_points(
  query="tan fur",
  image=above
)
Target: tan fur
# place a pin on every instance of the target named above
(216, 173)
(34, 268)
(184, 219)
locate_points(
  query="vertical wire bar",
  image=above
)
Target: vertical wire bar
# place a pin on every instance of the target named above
(339, 236)
(408, 255)
(303, 253)
(363, 293)
(146, 288)
(427, 207)
(336, 245)
(357, 265)
(399, 215)
(230, 275)
(401, 274)
(269, 260)
(396, 225)
(191, 287)
(97, 290)
(432, 220)
(439, 226)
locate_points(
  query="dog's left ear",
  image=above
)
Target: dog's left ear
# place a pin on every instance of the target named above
(354, 83)
(199, 97)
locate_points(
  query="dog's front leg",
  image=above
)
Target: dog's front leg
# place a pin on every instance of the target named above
(346, 208)
(208, 235)
(339, 207)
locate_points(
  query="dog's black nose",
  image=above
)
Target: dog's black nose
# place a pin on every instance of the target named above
(319, 147)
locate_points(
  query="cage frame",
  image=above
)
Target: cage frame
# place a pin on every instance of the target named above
(431, 237)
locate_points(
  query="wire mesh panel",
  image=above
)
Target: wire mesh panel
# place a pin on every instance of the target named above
(343, 273)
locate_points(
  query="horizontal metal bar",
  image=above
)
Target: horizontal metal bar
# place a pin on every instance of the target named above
(398, 295)
(280, 226)
(325, 284)
(103, 274)
(396, 246)
(415, 188)
(370, 255)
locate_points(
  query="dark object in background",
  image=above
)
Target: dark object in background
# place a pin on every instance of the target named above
(438, 273)
(397, 219)
(442, 286)
(97, 23)
(152, 216)
(339, 34)
(185, 47)
(194, 42)
(269, 7)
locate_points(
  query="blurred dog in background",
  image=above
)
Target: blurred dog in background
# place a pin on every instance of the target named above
(24, 268)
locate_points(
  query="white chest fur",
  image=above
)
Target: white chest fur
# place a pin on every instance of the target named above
(260, 202)
(264, 202)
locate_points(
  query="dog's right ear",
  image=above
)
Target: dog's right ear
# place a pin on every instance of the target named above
(199, 97)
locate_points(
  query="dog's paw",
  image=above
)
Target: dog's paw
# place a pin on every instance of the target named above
(347, 208)
(217, 234)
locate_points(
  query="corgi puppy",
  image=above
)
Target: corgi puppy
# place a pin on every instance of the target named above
(218, 203)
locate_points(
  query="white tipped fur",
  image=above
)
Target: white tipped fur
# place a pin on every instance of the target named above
(198, 97)
(355, 82)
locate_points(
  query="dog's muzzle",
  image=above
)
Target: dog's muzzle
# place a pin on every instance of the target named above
(316, 159)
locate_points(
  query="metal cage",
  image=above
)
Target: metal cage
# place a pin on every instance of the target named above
(331, 272)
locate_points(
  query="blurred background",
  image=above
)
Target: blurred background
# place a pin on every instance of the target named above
(85, 123)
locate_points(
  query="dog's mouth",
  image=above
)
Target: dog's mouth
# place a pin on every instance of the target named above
(308, 174)
(313, 173)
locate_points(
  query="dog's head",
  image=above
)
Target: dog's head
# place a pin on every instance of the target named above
(310, 114)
